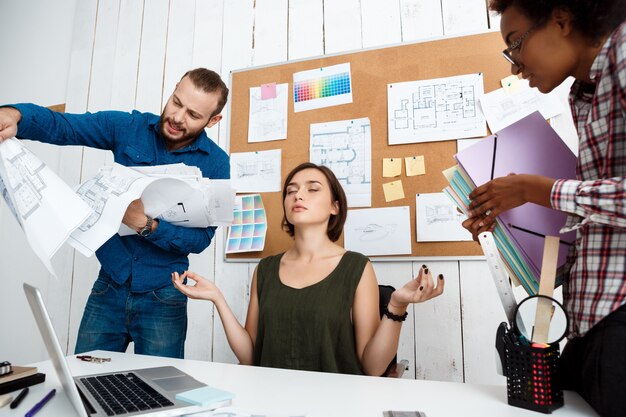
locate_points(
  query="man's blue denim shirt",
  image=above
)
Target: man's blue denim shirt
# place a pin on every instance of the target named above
(135, 140)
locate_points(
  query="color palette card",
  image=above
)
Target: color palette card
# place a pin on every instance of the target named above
(322, 87)
(249, 227)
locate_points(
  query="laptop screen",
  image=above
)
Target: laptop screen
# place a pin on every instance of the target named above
(54, 348)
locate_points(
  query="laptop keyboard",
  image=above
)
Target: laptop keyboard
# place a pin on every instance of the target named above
(124, 393)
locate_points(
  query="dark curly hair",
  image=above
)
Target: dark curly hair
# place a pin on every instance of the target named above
(336, 222)
(594, 19)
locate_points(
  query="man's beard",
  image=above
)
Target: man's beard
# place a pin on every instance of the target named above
(188, 136)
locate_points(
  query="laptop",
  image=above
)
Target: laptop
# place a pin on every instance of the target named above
(138, 392)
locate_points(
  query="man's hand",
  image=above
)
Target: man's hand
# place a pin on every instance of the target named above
(135, 218)
(9, 118)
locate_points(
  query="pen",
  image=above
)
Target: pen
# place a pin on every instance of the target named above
(19, 398)
(40, 404)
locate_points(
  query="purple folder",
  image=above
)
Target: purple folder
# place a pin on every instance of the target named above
(528, 146)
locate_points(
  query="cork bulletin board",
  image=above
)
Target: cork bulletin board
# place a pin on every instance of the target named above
(371, 71)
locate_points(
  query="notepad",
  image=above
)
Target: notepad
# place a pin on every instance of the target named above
(204, 396)
(17, 373)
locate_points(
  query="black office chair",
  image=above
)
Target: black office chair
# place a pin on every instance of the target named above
(395, 369)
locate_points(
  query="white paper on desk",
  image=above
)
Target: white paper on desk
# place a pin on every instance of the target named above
(255, 172)
(502, 109)
(435, 109)
(379, 231)
(437, 219)
(268, 118)
(345, 146)
(45, 207)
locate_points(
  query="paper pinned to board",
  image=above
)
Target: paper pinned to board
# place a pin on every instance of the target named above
(393, 191)
(502, 108)
(268, 91)
(267, 118)
(415, 165)
(392, 167)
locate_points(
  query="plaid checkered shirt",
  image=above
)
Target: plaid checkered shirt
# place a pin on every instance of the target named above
(595, 282)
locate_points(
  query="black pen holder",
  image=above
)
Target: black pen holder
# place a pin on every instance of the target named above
(531, 377)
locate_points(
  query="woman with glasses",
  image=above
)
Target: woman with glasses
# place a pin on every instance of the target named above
(549, 41)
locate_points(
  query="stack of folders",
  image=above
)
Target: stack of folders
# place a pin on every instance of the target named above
(20, 377)
(528, 146)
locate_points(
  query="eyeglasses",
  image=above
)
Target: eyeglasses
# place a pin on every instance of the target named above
(508, 52)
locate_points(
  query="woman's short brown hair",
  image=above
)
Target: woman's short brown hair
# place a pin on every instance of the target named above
(336, 221)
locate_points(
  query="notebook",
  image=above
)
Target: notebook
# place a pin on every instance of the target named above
(155, 388)
(528, 146)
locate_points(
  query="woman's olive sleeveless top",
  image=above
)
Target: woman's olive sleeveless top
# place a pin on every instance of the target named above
(310, 328)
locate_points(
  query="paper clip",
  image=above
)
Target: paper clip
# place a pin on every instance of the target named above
(94, 359)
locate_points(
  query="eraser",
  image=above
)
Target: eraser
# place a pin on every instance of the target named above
(5, 399)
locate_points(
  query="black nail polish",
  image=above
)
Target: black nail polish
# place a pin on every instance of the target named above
(424, 266)
(440, 276)
(426, 271)
(421, 288)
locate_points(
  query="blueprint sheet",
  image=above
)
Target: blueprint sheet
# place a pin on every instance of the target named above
(345, 147)
(45, 207)
(186, 201)
(435, 110)
(51, 213)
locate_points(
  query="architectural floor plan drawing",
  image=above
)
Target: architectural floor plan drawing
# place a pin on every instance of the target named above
(45, 207)
(437, 109)
(346, 148)
(23, 171)
(97, 191)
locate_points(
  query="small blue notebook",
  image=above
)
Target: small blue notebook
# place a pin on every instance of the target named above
(204, 396)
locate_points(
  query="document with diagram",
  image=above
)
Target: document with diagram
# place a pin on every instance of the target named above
(51, 213)
(45, 207)
(345, 146)
(436, 109)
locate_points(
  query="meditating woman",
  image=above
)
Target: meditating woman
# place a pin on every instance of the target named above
(315, 307)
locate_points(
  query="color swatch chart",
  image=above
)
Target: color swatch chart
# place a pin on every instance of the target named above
(331, 85)
(247, 233)
(322, 87)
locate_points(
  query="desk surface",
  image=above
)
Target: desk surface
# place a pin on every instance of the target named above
(284, 392)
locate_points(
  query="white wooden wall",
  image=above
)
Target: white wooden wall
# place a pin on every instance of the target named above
(130, 53)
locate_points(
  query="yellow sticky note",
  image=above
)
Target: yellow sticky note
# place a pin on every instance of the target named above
(393, 191)
(392, 167)
(511, 84)
(415, 165)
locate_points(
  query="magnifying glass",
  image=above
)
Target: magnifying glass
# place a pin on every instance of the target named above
(526, 317)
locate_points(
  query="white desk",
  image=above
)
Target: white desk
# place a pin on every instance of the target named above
(284, 392)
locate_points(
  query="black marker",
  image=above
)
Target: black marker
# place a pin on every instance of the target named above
(19, 398)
